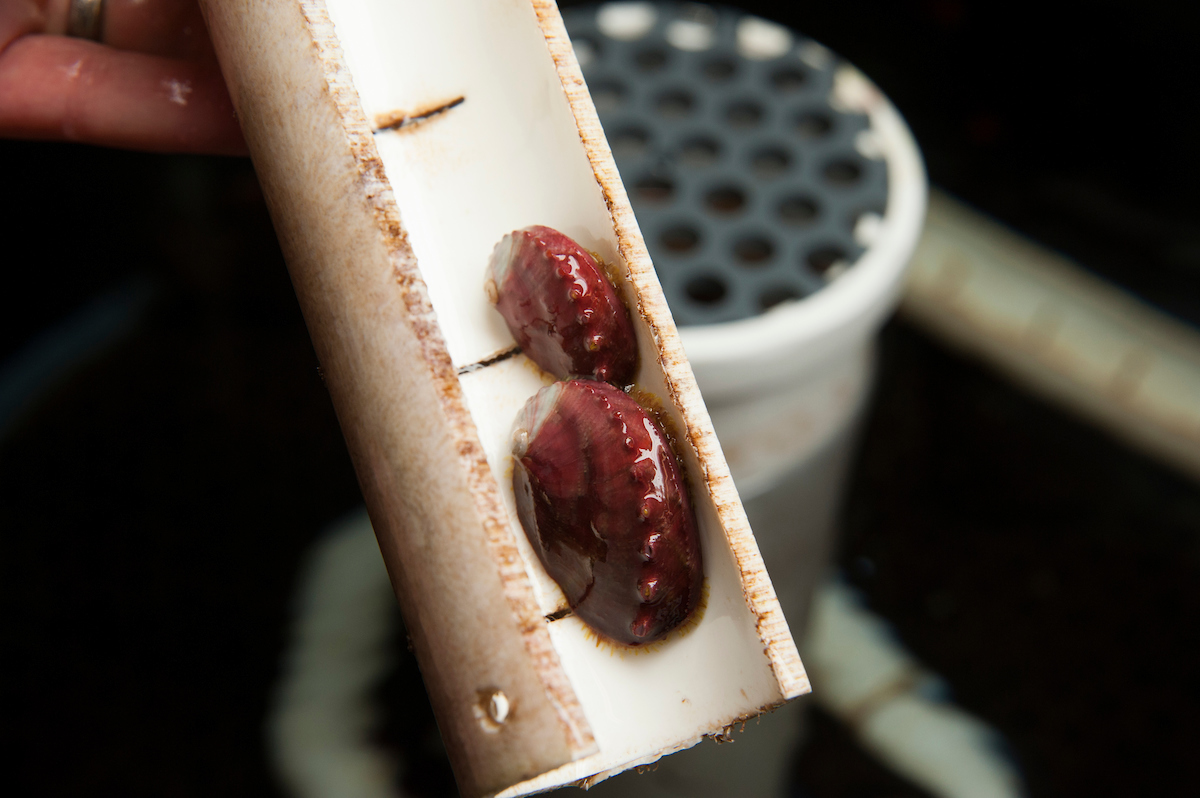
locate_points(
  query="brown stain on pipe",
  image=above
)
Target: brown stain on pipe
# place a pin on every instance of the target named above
(397, 120)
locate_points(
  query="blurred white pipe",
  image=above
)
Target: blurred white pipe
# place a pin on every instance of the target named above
(1059, 331)
(864, 677)
(321, 720)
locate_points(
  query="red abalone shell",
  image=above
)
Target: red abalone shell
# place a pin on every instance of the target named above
(602, 499)
(561, 307)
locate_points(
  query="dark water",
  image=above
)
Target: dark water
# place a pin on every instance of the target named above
(161, 480)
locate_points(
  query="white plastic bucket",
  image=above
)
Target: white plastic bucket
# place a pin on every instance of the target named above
(785, 388)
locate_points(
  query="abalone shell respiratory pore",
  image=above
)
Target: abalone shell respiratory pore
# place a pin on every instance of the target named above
(602, 499)
(561, 307)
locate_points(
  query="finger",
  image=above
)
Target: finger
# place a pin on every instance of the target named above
(56, 88)
(171, 28)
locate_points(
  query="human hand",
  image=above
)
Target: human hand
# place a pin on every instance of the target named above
(151, 83)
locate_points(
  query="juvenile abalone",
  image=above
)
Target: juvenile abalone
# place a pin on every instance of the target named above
(560, 306)
(601, 496)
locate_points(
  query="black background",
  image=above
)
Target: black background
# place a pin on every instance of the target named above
(156, 501)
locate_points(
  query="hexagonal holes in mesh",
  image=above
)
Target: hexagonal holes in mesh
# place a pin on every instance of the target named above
(752, 189)
(654, 189)
(680, 239)
(674, 103)
(753, 250)
(707, 290)
(724, 200)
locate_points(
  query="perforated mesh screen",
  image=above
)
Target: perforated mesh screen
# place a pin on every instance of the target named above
(747, 184)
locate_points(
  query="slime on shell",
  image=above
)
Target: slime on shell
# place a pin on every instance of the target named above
(601, 497)
(560, 306)
(599, 490)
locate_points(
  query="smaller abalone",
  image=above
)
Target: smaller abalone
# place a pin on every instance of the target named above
(561, 307)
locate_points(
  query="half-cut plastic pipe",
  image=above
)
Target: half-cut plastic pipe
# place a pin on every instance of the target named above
(396, 142)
